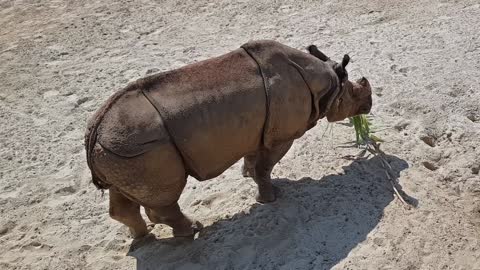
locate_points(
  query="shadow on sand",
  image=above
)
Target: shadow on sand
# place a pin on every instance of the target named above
(313, 224)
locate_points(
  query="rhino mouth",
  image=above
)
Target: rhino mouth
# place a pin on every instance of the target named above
(364, 109)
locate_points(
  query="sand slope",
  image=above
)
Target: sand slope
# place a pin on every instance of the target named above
(61, 59)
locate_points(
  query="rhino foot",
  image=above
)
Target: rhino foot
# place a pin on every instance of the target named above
(266, 195)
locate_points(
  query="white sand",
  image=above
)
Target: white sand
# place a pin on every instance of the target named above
(60, 60)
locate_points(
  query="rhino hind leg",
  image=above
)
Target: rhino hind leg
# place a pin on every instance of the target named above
(127, 212)
(266, 159)
(172, 216)
(154, 180)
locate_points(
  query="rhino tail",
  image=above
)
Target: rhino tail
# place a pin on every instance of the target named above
(98, 183)
(90, 141)
(91, 134)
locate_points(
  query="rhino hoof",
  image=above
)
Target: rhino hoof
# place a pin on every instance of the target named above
(266, 194)
(265, 197)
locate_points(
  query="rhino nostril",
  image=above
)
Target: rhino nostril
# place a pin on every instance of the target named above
(365, 109)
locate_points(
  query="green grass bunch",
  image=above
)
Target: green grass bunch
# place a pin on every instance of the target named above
(363, 131)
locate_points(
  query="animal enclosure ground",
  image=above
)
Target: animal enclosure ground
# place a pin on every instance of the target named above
(59, 60)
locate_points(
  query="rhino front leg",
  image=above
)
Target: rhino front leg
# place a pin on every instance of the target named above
(266, 159)
(248, 168)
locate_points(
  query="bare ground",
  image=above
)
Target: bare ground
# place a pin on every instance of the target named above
(59, 60)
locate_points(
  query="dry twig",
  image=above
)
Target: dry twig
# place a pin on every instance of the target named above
(374, 148)
(371, 144)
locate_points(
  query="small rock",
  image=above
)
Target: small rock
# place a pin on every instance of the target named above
(83, 100)
(428, 140)
(476, 169)
(473, 117)
(35, 244)
(403, 70)
(429, 165)
(84, 248)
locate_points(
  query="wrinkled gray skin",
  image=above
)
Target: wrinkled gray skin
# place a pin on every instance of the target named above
(200, 119)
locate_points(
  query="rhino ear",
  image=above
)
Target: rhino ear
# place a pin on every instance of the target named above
(346, 60)
(313, 50)
(341, 72)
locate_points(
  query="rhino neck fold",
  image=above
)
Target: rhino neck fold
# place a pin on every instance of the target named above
(185, 159)
(288, 96)
(265, 88)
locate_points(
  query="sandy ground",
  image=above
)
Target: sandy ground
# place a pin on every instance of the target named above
(59, 60)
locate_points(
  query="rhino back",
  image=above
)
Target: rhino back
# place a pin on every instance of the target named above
(214, 110)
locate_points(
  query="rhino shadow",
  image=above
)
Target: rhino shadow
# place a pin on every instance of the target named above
(313, 224)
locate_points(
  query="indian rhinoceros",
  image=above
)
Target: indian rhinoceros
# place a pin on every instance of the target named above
(198, 120)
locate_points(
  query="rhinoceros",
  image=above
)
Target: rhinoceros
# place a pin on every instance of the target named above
(200, 119)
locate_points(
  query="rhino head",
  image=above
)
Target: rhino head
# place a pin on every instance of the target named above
(355, 97)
